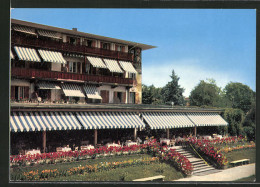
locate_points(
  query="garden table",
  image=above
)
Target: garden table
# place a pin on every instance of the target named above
(32, 152)
(130, 143)
(113, 144)
(207, 137)
(164, 140)
(87, 147)
(66, 149)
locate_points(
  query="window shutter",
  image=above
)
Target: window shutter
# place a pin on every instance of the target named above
(124, 97)
(26, 92)
(12, 92)
(116, 47)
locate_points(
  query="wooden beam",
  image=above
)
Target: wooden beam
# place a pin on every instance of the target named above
(95, 137)
(135, 133)
(195, 131)
(168, 133)
(44, 141)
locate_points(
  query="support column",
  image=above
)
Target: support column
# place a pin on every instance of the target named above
(44, 141)
(168, 133)
(195, 131)
(135, 133)
(95, 137)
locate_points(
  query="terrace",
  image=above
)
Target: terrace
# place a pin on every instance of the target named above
(55, 75)
(67, 47)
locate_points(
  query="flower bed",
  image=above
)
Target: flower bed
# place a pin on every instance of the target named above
(171, 156)
(102, 166)
(239, 147)
(208, 151)
(55, 157)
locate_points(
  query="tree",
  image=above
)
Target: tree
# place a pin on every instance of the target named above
(172, 92)
(249, 125)
(205, 93)
(151, 95)
(240, 95)
(235, 118)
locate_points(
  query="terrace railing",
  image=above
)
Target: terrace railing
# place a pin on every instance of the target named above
(71, 48)
(44, 74)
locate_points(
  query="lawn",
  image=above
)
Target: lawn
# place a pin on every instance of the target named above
(119, 174)
(242, 154)
(127, 174)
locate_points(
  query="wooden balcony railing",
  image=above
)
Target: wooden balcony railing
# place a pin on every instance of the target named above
(67, 47)
(43, 74)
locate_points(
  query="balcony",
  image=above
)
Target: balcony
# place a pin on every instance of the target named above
(67, 47)
(55, 75)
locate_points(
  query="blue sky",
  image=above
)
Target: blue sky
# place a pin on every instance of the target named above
(196, 43)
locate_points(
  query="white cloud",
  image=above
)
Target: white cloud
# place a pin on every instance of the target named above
(190, 73)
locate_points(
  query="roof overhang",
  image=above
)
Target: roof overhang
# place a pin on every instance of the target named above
(81, 34)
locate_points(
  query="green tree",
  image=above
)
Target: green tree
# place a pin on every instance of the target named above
(172, 91)
(249, 124)
(235, 118)
(241, 96)
(151, 95)
(205, 93)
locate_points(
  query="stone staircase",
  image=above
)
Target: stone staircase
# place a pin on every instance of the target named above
(200, 168)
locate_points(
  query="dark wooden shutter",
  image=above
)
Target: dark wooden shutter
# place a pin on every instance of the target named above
(26, 92)
(12, 92)
(124, 97)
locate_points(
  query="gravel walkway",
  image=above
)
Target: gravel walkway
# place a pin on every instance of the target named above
(230, 174)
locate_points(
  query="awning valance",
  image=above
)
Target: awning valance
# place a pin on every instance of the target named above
(109, 120)
(91, 92)
(113, 66)
(47, 86)
(165, 120)
(128, 67)
(27, 54)
(24, 29)
(49, 34)
(96, 62)
(72, 90)
(11, 55)
(52, 56)
(43, 121)
(206, 119)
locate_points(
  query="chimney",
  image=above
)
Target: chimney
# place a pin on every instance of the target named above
(74, 29)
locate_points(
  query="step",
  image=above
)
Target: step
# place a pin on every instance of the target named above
(204, 170)
(193, 160)
(201, 165)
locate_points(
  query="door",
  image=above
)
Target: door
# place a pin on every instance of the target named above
(105, 96)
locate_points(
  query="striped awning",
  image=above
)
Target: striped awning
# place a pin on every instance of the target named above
(109, 120)
(11, 55)
(128, 67)
(23, 29)
(49, 34)
(27, 54)
(91, 92)
(47, 86)
(96, 62)
(113, 66)
(72, 90)
(165, 120)
(206, 119)
(43, 121)
(52, 56)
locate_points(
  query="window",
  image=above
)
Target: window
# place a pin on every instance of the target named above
(89, 43)
(72, 40)
(132, 75)
(132, 98)
(73, 67)
(20, 92)
(106, 46)
(119, 48)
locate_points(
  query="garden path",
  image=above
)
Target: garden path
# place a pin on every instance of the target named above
(230, 174)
